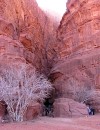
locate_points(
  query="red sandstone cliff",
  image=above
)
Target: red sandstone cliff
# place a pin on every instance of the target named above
(26, 33)
(77, 70)
(27, 36)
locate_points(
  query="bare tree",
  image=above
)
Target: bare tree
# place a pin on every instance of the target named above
(21, 87)
(92, 95)
(85, 94)
(82, 94)
(80, 91)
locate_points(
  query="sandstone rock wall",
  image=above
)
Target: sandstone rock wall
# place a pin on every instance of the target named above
(79, 30)
(24, 22)
(77, 70)
(27, 36)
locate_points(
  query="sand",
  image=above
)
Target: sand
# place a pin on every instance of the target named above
(49, 123)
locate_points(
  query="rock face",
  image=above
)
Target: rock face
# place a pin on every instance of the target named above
(76, 73)
(64, 107)
(25, 35)
(28, 36)
(33, 111)
(2, 111)
(31, 28)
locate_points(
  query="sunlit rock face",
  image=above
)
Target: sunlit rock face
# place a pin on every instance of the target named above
(24, 23)
(27, 36)
(77, 70)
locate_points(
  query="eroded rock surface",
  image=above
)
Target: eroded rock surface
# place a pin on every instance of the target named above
(27, 36)
(22, 20)
(77, 70)
(64, 107)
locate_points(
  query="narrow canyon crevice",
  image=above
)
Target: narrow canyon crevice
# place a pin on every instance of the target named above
(68, 54)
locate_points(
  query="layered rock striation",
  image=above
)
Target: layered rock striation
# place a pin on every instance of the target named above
(27, 36)
(23, 22)
(76, 72)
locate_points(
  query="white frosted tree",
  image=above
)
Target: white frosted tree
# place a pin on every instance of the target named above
(21, 87)
(82, 92)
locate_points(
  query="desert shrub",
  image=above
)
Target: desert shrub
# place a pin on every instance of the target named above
(20, 87)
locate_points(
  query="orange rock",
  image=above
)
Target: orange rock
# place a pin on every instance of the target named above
(26, 36)
(32, 111)
(64, 107)
(78, 49)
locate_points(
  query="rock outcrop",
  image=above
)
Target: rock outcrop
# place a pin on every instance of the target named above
(24, 22)
(27, 35)
(64, 107)
(2, 111)
(33, 111)
(76, 73)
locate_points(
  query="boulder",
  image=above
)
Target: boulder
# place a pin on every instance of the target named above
(2, 111)
(32, 111)
(64, 107)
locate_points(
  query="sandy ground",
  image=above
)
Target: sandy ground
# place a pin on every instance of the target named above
(48, 123)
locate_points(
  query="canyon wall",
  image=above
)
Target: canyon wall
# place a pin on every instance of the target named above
(76, 72)
(27, 36)
(26, 33)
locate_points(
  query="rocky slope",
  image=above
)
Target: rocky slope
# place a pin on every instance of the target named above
(76, 73)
